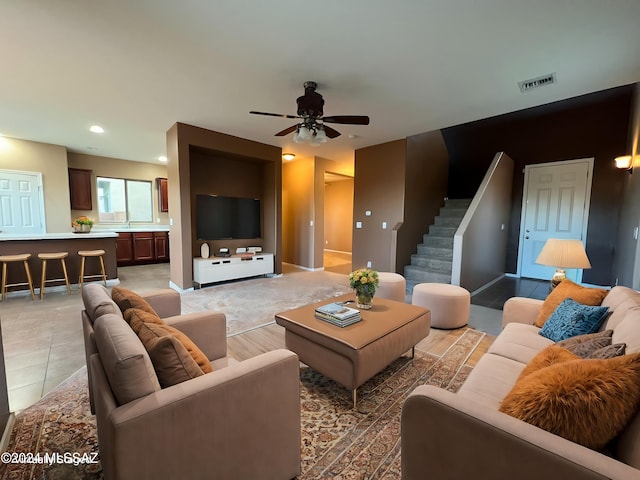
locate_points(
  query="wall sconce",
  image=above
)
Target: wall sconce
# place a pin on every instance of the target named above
(561, 254)
(625, 163)
(288, 156)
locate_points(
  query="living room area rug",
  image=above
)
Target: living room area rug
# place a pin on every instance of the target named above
(337, 440)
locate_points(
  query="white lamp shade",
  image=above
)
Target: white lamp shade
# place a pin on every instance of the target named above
(563, 253)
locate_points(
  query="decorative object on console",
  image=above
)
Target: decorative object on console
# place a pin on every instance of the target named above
(204, 250)
(364, 281)
(82, 224)
(561, 254)
(222, 252)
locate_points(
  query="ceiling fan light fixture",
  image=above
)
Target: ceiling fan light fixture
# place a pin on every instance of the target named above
(320, 136)
(303, 133)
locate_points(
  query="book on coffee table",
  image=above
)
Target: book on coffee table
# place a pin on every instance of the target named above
(338, 314)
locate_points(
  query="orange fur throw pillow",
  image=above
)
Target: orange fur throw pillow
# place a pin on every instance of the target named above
(550, 355)
(568, 289)
(586, 401)
(126, 299)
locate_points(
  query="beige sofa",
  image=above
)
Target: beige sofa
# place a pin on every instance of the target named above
(240, 421)
(463, 435)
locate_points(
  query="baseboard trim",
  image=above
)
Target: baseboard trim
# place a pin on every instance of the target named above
(6, 435)
(487, 285)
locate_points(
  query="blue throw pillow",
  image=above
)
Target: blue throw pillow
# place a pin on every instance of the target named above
(571, 318)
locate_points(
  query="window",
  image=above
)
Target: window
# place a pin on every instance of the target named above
(121, 200)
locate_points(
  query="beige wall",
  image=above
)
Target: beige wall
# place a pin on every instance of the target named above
(51, 161)
(338, 214)
(379, 186)
(304, 216)
(298, 212)
(112, 167)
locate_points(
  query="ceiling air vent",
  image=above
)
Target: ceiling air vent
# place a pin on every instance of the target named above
(527, 85)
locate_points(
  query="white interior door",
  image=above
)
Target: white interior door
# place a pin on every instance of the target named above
(556, 205)
(21, 203)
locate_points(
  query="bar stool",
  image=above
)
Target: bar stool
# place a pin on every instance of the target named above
(21, 257)
(91, 253)
(43, 278)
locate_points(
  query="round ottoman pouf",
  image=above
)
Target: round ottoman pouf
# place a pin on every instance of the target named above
(391, 286)
(449, 304)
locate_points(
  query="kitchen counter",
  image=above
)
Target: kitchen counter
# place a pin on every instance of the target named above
(60, 242)
(60, 236)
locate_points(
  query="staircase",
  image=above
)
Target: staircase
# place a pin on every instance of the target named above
(433, 261)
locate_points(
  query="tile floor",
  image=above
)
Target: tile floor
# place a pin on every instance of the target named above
(42, 339)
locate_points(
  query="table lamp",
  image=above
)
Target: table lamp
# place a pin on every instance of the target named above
(561, 254)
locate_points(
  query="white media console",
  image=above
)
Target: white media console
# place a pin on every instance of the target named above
(220, 269)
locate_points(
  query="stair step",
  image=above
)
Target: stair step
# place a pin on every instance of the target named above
(415, 275)
(442, 231)
(439, 242)
(458, 202)
(438, 252)
(448, 221)
(439, 264)
(453, 212)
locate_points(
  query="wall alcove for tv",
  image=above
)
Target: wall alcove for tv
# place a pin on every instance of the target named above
(204, 162)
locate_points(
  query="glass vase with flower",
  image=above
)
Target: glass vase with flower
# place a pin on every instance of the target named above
(364, 281)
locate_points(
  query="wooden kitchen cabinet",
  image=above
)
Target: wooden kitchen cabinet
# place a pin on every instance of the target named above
(143, 246)
(80, 189)
(163, 194)
(124, 248)
(161, 243)
(139, 248)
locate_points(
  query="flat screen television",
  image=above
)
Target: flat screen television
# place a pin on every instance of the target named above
(224, 218)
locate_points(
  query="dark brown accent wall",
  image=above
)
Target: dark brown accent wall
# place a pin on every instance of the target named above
(425, 189)
(593, 125)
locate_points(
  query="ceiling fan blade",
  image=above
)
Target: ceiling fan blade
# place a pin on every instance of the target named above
(287, 131)
(348, 119)
(274, 114)
(330, 132)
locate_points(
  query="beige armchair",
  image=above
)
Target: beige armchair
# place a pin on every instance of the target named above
(240, 421)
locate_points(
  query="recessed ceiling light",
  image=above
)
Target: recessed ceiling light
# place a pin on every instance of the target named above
(288, 156)
(96, 129)
(162, 158)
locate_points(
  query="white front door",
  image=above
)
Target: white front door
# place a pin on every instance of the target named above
(21, 203)
(556, 205)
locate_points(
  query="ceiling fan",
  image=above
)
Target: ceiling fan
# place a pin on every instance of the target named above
(312, 126)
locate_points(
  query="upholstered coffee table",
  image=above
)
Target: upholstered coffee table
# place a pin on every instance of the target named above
(352, 355)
